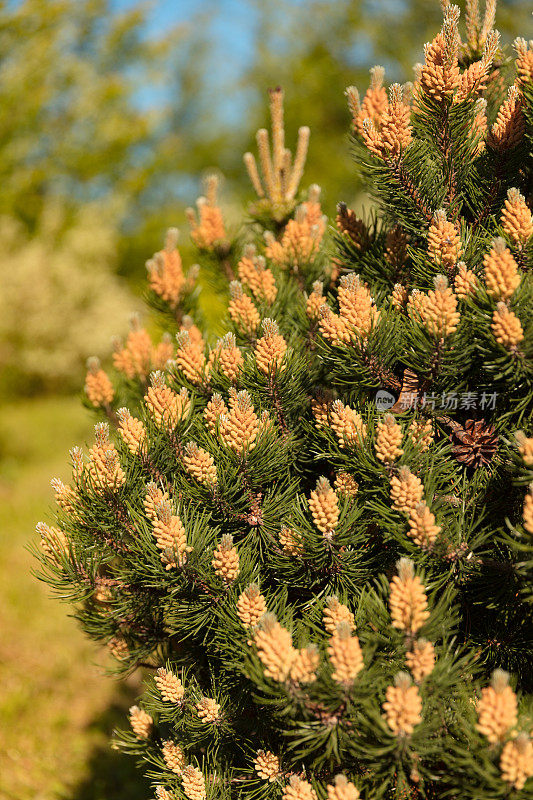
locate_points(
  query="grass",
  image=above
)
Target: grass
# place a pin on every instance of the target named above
(57, 708)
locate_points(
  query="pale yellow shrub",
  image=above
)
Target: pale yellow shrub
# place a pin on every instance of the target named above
(60, 301)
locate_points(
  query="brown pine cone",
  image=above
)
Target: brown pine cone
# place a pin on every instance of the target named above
(475, 444)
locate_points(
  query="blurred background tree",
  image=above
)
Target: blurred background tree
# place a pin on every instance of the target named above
(70, 136)
(69, 127)
(82, 157)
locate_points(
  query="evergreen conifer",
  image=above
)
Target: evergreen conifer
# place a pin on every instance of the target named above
(316, 533)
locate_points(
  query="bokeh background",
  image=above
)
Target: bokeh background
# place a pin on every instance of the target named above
(110, 112)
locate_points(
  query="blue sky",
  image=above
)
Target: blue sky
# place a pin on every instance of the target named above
(231, 25)
(231, 28)
(233, 19)
(232, 16)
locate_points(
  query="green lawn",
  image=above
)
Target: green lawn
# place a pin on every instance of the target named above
(57, 708)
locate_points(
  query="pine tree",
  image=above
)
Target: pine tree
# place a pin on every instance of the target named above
(316, 533)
